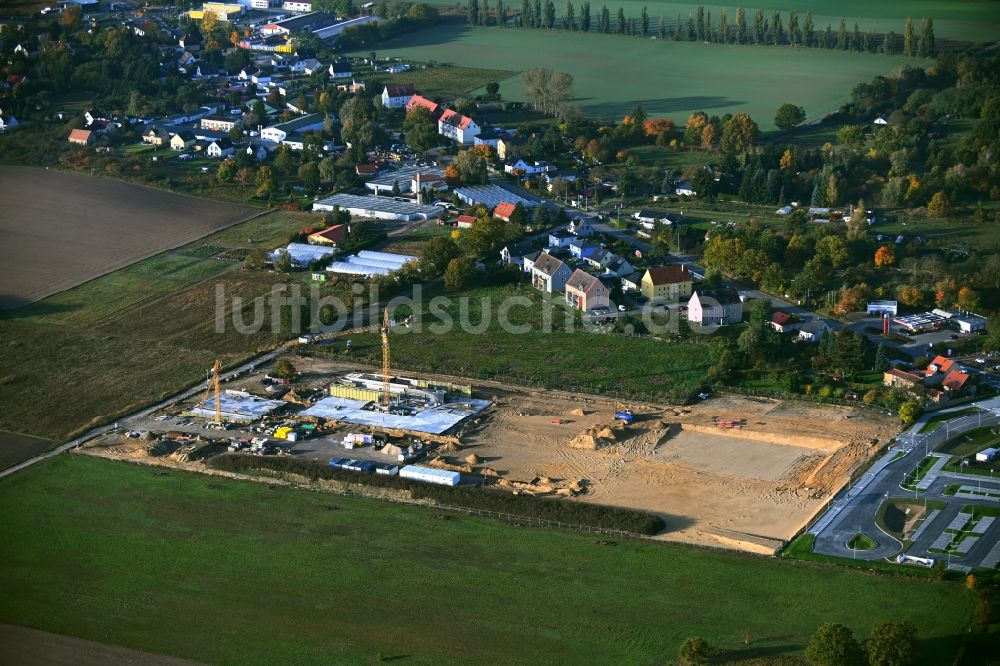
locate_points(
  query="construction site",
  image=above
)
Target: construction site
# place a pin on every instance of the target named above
(733, 472)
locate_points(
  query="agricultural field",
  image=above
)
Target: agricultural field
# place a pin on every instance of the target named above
(140, 333)
(669, 79)
(71, 228)
(966, 20)
(356, 581)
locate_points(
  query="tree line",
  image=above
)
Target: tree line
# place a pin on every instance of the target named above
(775, 29)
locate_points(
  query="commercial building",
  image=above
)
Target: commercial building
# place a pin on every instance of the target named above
(491, 196)
(380, 208)
(403, 179)
(237, 407)
(278, 133)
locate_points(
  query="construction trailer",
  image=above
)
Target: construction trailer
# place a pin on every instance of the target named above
(441, 477)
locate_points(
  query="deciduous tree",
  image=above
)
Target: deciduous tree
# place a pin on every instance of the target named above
(788, 116)
(833, 644)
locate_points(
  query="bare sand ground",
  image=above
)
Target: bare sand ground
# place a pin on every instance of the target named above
(749, 488)
(61, 229)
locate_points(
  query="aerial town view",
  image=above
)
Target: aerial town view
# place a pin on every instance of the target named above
(537, 332)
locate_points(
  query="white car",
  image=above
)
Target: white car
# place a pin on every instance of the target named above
(622, 308)
(444, 204)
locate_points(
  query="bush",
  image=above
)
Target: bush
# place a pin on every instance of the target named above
(526, 506)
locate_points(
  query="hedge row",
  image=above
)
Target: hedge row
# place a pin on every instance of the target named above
(527, 506)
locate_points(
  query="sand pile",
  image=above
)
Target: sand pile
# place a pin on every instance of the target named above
(578, 412)
(657, 424)
(472, 459)
(489, 471)
(450, 447)
(593, 438)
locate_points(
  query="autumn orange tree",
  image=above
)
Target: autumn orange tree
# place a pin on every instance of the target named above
(885, 256)
(939, 205)
(911, 296)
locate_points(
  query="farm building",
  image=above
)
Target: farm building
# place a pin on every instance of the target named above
(332, 236)
(403, 179)
(381, 208)
(369, 262)
(491, 196)
(303, 254)
(81, 137)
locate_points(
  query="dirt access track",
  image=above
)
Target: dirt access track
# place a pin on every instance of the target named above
(61, 229)
(749, 487)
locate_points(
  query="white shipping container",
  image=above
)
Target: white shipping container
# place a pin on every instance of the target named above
(441, 477)
(986, 455)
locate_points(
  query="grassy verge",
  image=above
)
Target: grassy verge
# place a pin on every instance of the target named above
(800, 548)
(336, 574)
(861, 542)
(938, 420)
(914, 477)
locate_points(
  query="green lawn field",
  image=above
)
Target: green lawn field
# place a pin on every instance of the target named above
(226, 571)
(966, 20)
(671, 79)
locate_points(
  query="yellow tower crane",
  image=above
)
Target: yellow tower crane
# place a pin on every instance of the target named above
(213, 384)
(386, 394)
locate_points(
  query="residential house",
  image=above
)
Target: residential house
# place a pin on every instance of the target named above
(309, 66)
(397, 69)
(632, 281)
(332, 236)
(561, 238)
(813, 330)
(524, 168)
(259, 152)
(457, 127)
(550, 177)
(715, 307)
(396, 96)
(340, 69)
(618, 266)
(528, 261)
(418, 100)
(354, 86)
(509, 147)
(549, 274)
(81, 137)
(514, 254)
(488, 137)
(182, 140)
(586, 292)
(466, 222)
(648, 219)
(580, 228)
(896, 378)
(156, 136)
(190, 42)
(671, 283)
(297, 6)
(367, 170)
(220, 148)
(881, 121)
(93, 115)
(782, 322)
(207, 70)
(685, 189)
(504, 211)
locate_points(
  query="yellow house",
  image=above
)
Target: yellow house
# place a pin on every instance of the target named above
(182, 140)
(667, 283)
(510, 147)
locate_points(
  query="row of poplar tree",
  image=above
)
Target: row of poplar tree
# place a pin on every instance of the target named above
(761, 29)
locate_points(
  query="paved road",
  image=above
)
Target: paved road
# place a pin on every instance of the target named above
(854, 509)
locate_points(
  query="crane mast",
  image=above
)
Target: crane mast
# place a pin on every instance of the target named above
(386, 395)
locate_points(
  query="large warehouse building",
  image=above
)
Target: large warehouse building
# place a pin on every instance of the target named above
(380, 208)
